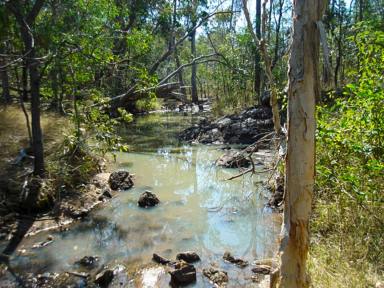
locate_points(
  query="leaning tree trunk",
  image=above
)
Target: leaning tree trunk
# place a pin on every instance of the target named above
(300, 160)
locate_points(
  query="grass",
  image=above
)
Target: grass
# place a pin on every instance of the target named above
(329, 266)
(65, 167)
(346, 248)
(14, 134)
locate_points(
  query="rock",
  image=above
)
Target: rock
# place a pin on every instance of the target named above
(148, 199)
(262, 269)
(233, 160)
(120, 276)
(244, 128)
(223, 122)
(120, 180)
(104, 278)
(379, 284)
(188, 256)
(106, 194)
(184, 275)
(217, 277)
(88, 261)
(161, 260)
(239, 262)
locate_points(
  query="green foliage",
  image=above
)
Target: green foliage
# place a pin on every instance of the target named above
(349, 211)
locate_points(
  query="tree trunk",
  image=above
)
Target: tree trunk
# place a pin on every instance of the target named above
(257, 66)
(177, 59)
(300, 160)
(277, 39)
(37, 137)
(5, 84)
(31, 65)
(24, 80)
(194, 95)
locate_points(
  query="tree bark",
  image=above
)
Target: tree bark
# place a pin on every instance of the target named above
(194, 95)
(303, 87)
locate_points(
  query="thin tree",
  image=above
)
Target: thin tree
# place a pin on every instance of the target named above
(257, 66)
(26, 21)
(303, 88)
(262, 46)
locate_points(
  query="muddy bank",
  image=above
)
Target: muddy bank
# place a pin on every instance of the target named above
(242, 128)
(73, 205)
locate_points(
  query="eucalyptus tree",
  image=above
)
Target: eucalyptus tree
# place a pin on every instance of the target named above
(303, 89)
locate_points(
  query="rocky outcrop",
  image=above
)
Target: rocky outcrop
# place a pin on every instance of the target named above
(120, 180)
(217, 277)
(243, 128)
(148, 199)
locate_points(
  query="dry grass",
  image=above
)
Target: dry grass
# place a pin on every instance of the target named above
(347, 244)
(14, 134)
(330, 267)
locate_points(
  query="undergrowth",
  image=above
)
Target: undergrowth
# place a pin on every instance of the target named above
(348, 220)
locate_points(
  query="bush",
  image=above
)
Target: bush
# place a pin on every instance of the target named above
(348, 222)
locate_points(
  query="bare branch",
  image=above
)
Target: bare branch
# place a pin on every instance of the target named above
(186, 65)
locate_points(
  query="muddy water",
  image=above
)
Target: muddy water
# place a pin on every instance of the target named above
(199, 211)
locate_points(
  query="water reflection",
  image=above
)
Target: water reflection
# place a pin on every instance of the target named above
(199, 211)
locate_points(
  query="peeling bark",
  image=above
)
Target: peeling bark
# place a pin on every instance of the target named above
(303, 88)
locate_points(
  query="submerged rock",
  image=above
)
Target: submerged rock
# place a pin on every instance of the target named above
(88, 261)
(184, 274)
(262, 269)
(148, 199)
(120, 180)
(104, 278)
(161, 260)
(218, 277)
(188, 256)
(239, 262)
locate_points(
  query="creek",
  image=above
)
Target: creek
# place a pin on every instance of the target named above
(199, 211)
